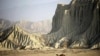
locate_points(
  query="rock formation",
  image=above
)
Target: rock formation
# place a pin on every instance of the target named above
(76, 25)
(79, 22)
(15, 37)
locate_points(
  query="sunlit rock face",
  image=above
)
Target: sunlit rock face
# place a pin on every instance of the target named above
(17, 38)
(79, 22)
(23, 34)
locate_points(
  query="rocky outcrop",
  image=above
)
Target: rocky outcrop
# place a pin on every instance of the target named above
(79, 22)
(56, 24)
(16, 38)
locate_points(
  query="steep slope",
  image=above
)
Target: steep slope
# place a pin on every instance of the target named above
(16, 38)
(78, 23)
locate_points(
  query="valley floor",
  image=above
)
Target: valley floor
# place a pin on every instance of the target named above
(53, 52)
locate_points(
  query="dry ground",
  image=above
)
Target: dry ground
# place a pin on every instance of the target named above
(67, 52)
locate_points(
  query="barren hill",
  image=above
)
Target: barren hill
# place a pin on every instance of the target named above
(76, 25)
(77, 22)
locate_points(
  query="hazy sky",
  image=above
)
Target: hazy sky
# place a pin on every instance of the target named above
(32, 10)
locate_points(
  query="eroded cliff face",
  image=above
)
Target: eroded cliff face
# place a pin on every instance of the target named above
(56, 24)
(78, 23)
(15, 37)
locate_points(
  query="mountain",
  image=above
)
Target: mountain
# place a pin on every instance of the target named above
(75, 25)
(78, 23)
(4, 24)
(42, 27)
(15, 37)
(23, 34)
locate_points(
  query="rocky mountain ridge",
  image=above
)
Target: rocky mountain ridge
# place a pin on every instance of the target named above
(17, 38)
(76, 25)
(78, 22)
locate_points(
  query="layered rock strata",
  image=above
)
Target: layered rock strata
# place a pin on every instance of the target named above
(17, 38)
(79, 22)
